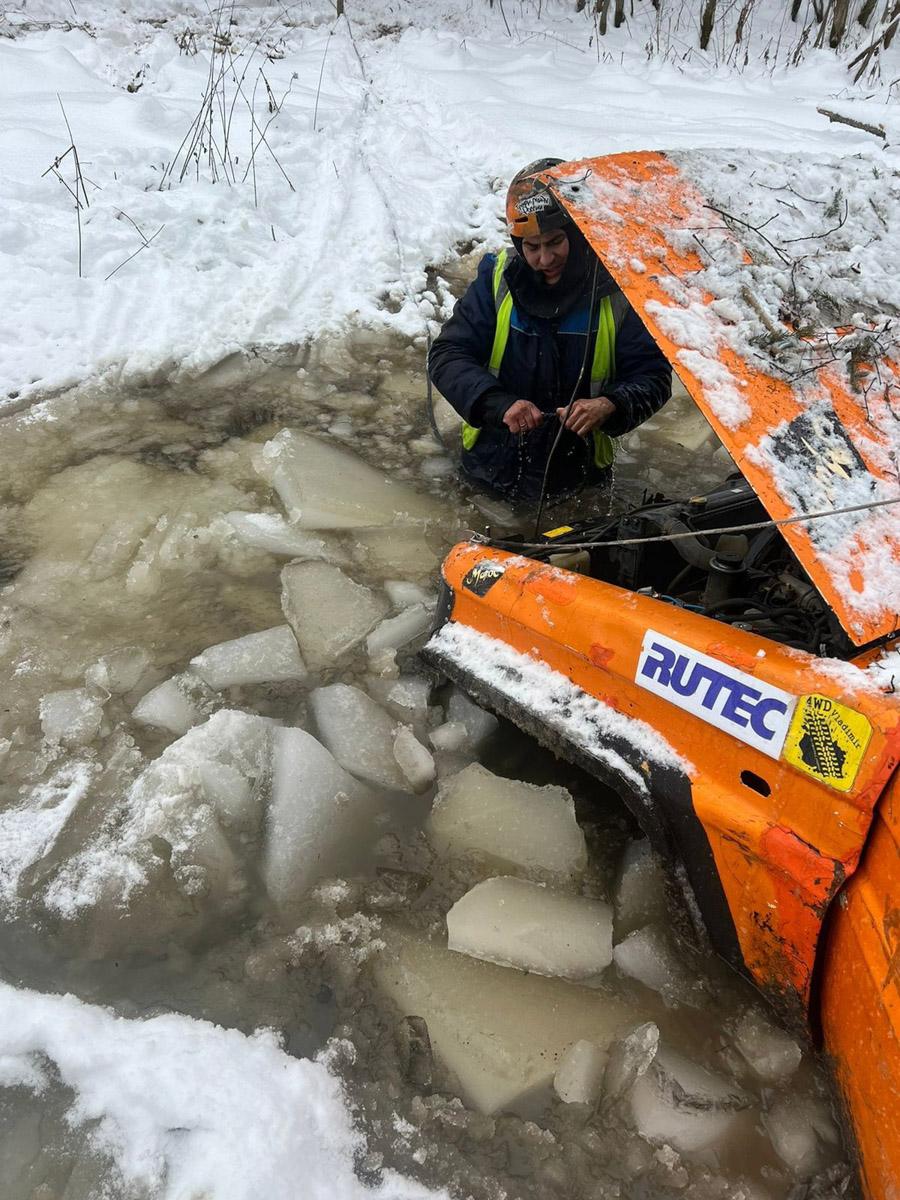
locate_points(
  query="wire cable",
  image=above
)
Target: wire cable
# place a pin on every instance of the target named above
(574, 397)
(675, 537)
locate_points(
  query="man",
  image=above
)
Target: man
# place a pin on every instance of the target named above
(544, 336)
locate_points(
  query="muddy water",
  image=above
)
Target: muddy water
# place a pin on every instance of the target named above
(110, 538)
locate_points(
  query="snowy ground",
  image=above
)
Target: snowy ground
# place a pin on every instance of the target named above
(386, 153)
(387, 149)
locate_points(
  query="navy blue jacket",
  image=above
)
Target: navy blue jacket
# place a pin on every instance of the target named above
(542, 363)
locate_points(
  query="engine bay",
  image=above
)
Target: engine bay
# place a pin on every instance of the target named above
(703, 554)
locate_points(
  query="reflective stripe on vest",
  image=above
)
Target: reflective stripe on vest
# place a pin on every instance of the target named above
(603, 367)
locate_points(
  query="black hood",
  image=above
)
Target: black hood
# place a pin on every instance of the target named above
(552, 301)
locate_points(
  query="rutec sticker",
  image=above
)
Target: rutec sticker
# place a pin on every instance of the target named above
(749, 709)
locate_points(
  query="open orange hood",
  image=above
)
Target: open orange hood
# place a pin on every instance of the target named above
(807, 440)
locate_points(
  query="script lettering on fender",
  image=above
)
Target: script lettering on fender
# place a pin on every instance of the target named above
(482, 577)
(750, 709)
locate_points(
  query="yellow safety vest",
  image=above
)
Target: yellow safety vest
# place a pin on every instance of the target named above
(603, 367)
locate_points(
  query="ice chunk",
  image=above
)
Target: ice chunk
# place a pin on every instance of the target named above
(395, 632)
(359, 733)
(451, 736)
(521, 924)
(328, 611)
(407, 697)
(649, 956)
(73, 716)
(165, 864)
(119, 671)
(629, 1059)
(325, 488)
(498, 1033)
(266, 531)
(677, 1102)
(480, 725)
(413, 759)
(771, 1053)
(167, 707)
(508, 822)
(396, 551)
(579, 1076)
(270, 656)
(403, 594)
(796, 1126)
(639, 895)
(315, 806)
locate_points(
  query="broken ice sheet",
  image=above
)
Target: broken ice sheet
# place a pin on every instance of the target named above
(522, 924)
(266, 531)
(508, 823)
(397, 631)
(168, 706)
(359, 733)
(639, 895)
(119, 671)
(650, 956)
(270, 656)
(73, 716)
(414, 759)
(498, 1033)
(771, 1053)
(677, 1102)
(799, 1127)
(579, 1076)
(165, 857)
(329, 612)
(629, 1058)
(322, 487)
(480, 725)
(317, 813)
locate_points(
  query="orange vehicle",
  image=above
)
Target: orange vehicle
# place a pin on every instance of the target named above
(725, 661)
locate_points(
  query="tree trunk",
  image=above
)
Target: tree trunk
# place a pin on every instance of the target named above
(839, 20)
(706, 23)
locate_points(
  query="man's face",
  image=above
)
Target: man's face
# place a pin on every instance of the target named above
(547, 253)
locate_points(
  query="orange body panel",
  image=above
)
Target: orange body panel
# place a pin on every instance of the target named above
(646, 220)
(861, 1001)
(780, 856)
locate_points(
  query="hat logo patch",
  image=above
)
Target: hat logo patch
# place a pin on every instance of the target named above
(539, 202)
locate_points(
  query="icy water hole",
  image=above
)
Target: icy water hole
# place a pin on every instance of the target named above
(114, 551)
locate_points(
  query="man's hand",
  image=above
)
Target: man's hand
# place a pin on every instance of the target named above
(522, 417)
(587, 414)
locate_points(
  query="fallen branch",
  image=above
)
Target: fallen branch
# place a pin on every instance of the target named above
(877, 130)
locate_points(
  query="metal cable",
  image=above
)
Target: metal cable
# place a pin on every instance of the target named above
(675, 537)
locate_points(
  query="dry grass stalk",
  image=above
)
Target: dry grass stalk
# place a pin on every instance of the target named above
(76, 189)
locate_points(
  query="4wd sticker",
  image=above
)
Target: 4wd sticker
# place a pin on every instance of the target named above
(482, 577)
(749, 709)
(827, 740)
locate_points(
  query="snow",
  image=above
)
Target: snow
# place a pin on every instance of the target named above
(551, 697)
(186, 1108)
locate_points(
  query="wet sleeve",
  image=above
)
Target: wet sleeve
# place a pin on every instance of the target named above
(457, 357)
(643, 380)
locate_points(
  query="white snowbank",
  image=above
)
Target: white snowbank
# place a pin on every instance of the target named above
(187, 1108)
